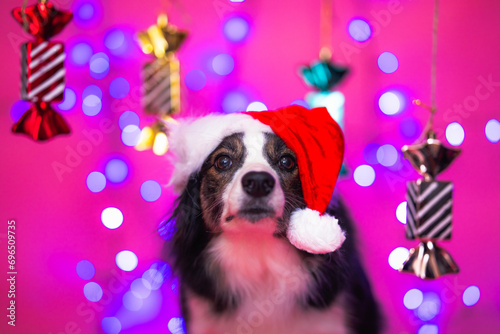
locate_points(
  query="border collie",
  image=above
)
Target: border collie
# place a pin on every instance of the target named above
(239, 185)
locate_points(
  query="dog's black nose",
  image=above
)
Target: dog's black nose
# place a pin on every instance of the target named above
(258, 184)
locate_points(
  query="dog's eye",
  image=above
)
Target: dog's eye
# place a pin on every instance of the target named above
(287, 162)
(223, 162)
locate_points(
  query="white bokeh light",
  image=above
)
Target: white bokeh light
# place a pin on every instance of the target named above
(492, 130)
(455, 134)
(413, 298)
(126, 260)
(387, 155)
(471, 295)
(256, 106)
(390, 103)
(112, 217)
(397, 257)
(364, 175)
(401, 212)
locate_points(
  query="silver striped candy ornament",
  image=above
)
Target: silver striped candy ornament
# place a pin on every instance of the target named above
(429, 209)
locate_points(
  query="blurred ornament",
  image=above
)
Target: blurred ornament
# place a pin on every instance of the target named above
(431, 157)
(42, 20)
(160, 82)
(429, 208)
(161, 87)
(155, 137)
(42, 70)
(322, 74)
(161, 38)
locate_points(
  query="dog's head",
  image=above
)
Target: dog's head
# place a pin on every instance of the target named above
(247, 173)
(250, 182)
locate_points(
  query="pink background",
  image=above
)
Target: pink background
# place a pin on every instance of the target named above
(58, 221)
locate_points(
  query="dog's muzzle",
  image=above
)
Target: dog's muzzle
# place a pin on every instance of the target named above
(258, 187)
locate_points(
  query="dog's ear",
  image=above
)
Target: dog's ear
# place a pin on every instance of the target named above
(188, 229)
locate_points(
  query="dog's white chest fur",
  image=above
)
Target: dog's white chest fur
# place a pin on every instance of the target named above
(269, 277)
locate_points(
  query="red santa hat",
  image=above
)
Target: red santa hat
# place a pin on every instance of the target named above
(315, 138)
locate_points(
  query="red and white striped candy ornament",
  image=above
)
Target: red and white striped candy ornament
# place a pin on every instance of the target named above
(42, 70)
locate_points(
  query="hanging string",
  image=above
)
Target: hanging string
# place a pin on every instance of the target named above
(325, 33)
(428, 131)
(23, 14)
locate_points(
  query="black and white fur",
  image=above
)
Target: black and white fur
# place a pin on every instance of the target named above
(238, 272)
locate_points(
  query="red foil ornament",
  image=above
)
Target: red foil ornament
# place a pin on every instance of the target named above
(42, 70)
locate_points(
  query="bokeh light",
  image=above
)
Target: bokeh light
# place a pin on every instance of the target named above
(96, 182)
(430, 307)
(166, 229)
(150, 190)
(410, 128)
(152, 279)
(391, 102)
(128, 118)
(256, 106)
(112, 217)
(471, 295)
(223, 64)
(91, 105)
(176, 325)
(195, 80)
(359, 30)
(401, 212)
(69, 99)
(139, 289)
(428, 329)
(92, 291)
(18, 109)
(119, 88)
(370, 153)
(86, 12)
(397, 257)
(364, 175)
(234, 101)
(111, 325)
(99, 65)
(387, 62)
(80, 53)
(85, 270)
(236, 29)
(114, 39)
(413, 298)
(492, 130)
(92, 90)
(131, 135)
(131, 301)
(455, 134)
(387, 155)
(301, 102)
(126, 260)
(116, 170)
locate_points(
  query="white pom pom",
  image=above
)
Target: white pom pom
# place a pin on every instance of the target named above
(315, 233)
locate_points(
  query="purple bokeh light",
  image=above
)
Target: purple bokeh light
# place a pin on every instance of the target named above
(195, 80)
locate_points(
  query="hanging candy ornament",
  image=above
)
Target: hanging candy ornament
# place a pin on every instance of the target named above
(155, 137)
(429, 209)
(429, 202)
(160, 82)
(323, 75)
(42, 70)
